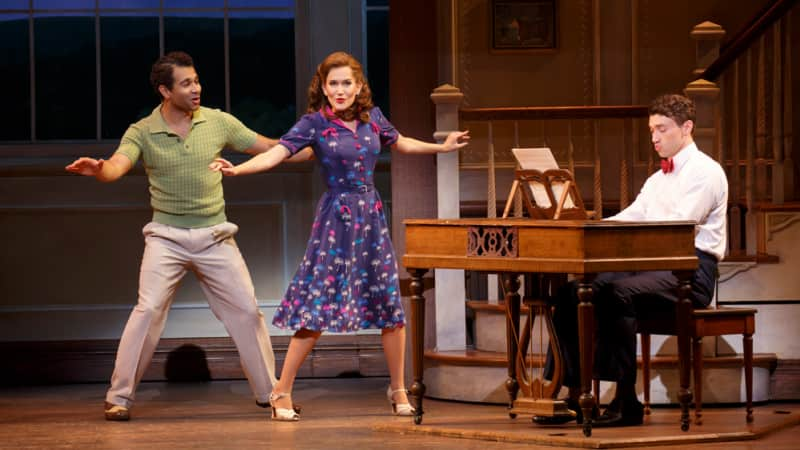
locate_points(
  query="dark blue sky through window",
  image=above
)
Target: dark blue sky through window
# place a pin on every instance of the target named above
(14, 52)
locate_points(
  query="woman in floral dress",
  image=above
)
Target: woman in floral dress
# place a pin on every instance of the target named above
(348, 278)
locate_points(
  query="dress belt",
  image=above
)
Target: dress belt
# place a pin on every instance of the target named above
(362, 189)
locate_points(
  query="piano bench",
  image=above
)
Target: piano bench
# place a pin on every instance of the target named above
(704, 322)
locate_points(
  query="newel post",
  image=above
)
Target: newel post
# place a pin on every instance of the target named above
(707, 37)
(447, 99)
(707, 127)
(450, 292)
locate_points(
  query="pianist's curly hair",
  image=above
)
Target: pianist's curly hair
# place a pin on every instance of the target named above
(675, 106)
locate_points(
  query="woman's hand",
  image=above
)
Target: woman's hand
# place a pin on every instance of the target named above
(224, 166)
(455, 141)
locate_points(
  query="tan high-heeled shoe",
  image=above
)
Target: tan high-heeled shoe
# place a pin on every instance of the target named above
(282, 414)
(399, 409)
(297, 408)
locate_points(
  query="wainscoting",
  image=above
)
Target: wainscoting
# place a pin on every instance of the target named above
(182, 359)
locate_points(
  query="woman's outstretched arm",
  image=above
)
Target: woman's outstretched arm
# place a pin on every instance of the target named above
(259, 163)
(454, 141)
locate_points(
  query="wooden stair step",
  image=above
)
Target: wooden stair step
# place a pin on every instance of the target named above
(471, 357)
(484, 305)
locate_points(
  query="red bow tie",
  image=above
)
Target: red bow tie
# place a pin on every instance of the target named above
(667, 165)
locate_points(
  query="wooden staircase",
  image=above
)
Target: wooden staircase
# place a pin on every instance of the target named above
(479, 374)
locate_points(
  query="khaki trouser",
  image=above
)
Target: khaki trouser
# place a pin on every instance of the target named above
(214, 257)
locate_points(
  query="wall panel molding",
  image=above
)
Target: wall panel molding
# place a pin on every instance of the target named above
(195, 359)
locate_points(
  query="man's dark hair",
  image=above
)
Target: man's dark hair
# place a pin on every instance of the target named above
(675, 106)
(162, 70)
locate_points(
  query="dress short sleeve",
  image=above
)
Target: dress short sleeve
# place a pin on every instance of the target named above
(302, 134)
(386, 130)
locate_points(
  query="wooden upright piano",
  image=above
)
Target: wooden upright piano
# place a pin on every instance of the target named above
(582, 248)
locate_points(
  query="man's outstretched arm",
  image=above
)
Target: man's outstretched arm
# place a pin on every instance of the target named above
(105, 171)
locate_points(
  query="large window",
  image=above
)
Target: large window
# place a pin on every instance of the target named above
(64, 77)
(262, 75)
(79, 69)
(128, 46)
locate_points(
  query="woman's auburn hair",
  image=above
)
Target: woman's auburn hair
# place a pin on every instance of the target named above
(317, 101)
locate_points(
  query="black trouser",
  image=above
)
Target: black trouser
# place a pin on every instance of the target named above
(619, 298)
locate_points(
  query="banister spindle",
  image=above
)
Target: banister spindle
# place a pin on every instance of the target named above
(491, 187)
(777, 123)
(518, 193)
(623, 166)
(750, 218)
(788, 180)
(761, 123)
(735, 181)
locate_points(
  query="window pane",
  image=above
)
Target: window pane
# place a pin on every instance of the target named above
(202, 37)
(63, 4)
(15, 4)
(128, 48)
(16, 113)
(129, 4)
(288, 4)
(194, 3)
(378, 57)
(262, 73)
(65, 77)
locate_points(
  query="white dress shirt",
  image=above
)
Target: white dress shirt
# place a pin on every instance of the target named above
(696, 189)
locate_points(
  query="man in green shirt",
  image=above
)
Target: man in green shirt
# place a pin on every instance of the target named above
(189, 230)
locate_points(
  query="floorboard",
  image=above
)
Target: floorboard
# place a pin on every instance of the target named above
(343, 413)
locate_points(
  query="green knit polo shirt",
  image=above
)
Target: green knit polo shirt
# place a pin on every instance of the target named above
(183, 191)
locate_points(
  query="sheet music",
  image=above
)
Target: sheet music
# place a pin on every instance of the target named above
(541, 159)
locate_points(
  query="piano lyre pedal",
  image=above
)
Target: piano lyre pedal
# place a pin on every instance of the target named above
(538, 397)
(548, 193)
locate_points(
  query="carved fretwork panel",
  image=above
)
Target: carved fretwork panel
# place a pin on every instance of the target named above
(493, 241)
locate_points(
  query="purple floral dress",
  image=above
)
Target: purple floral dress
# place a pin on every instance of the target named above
(348, 279)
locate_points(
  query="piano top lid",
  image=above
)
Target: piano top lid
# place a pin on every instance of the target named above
(524, 222)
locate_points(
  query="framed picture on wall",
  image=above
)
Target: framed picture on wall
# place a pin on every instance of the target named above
(523, 25)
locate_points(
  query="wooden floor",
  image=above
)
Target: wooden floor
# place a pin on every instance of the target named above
(341, 414)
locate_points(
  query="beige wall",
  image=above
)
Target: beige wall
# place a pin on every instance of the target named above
(72, 248)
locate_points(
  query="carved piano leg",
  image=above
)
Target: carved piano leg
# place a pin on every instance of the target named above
(697, 371)
(586, 347)
(511, 283)
(417, 324)
(684, 314)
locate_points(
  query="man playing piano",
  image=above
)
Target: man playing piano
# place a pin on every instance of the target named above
(689, 186)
